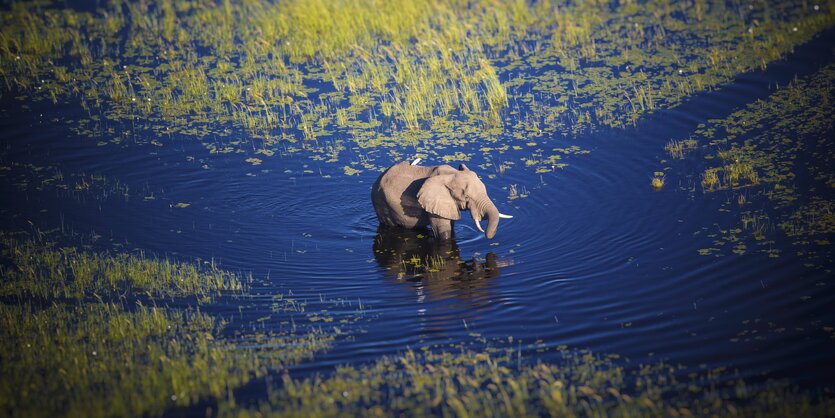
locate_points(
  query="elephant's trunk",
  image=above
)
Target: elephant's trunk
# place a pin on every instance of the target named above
(486, 208)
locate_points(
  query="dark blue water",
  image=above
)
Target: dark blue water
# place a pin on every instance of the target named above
(593, 258)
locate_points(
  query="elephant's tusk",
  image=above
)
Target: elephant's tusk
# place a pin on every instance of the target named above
(478, 225)
(416, 161)
(502, 215)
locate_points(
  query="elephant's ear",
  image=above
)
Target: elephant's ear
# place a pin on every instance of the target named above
(435, 198)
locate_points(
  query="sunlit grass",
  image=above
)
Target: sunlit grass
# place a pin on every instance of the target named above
(678, 148)
(710, 180)
(756, 223)
(44, 271)
(761, 151)
(738, 172)
(66, 351)
(463, 382)
(387, 72)
(657, 180)
(98, 360)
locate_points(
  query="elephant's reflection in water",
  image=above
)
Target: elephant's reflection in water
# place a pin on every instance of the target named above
(408, 255)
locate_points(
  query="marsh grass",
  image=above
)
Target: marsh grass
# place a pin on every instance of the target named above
(738, 173)
(431, 263)
(461, 382)
(99, 359)
(678, 148)
(76, 338)
(387, 72)
(515, 192)
(30, 177)
(42, 270)
(710, 180)
(757, 224)
(765, 148)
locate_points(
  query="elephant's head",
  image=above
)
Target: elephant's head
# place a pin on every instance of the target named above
(447, 192)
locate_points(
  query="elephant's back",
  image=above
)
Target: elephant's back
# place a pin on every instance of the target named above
(394, 194)
(401, 181)
(384, 182)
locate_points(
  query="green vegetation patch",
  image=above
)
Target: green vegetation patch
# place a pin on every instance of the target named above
(773, 158)
(679, 148)
(323, 77)
(65, 351)
(99, 360)
(45, 271)
(462, 382)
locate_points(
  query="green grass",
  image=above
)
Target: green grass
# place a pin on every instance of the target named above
(66, 351)
(387, 73)
(42, 270)
(462, 382)
(764, 148)
(737, 171)
(98, 360)
(657, 180)
(679, 148)
(710, 180)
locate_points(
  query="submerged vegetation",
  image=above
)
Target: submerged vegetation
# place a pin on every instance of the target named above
(331, 76)
(76, 185)
(776, 154)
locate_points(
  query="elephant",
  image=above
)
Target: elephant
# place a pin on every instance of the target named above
(414, 196)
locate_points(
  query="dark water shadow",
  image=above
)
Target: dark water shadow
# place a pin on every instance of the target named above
(434, 266)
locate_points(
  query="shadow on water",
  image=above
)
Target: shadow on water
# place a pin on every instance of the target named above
(435, 266)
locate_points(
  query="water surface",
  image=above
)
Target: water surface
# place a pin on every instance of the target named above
(593, 258)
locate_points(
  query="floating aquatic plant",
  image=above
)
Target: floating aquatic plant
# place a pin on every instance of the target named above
(764, 149)
(657, 180)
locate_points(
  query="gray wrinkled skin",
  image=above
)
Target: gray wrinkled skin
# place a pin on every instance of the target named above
(412, 196)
